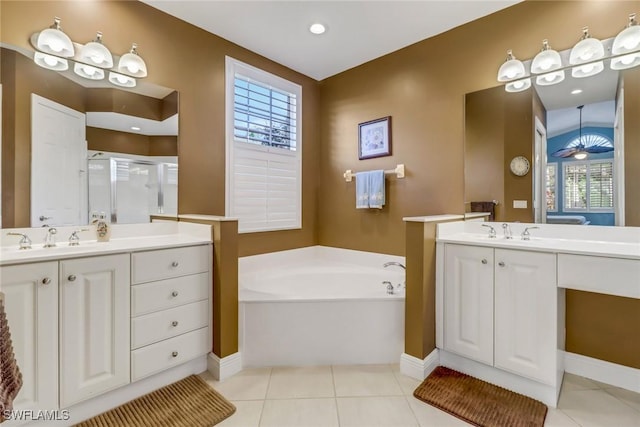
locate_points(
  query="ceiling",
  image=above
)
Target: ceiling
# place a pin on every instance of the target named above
(124, 123)
(357, 30)
(599, 114)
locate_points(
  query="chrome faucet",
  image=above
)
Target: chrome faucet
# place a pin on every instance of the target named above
(50, 238)
(390, 263)
(526, 235)
(25, 241)
(507, 231)
(74, 239)
(492, 231)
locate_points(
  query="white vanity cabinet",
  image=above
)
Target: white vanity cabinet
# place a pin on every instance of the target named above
(94, 327)
(500, 309)
(31, 305)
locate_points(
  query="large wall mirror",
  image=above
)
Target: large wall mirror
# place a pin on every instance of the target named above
(577, 163)
(73, 149)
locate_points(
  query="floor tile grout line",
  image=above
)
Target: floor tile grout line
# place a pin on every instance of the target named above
(620, 400)
(264, 400)
(335, 395)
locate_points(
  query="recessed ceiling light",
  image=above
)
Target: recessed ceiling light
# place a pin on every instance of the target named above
(135, 128)
(576, 91)
(317, 28)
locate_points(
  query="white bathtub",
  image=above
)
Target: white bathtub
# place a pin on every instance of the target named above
(320, 306)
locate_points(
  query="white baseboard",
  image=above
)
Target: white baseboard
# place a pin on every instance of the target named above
(226, 367)
(603, 371)
(109, 400)
(416, 368)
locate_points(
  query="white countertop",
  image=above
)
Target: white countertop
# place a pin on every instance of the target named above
(434, 218)
(124, 238)
(617, 242)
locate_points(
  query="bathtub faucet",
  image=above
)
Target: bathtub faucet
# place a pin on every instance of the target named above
(389, 287)
(390, 263)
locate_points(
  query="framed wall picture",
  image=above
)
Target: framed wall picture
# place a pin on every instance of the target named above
(374, 138)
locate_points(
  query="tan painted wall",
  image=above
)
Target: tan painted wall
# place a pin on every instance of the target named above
(422, 87)
(124, 142)
(192, 61)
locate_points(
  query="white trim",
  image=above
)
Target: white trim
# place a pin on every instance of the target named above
(540, 171)
(226, 367)
(102, 403)
(603, 371)
(547, 394)
(419, 369)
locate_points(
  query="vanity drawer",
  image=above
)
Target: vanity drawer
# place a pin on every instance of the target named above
(155, 296)
(167, 263)
(165, 354)
(612, 276)
(165, 324)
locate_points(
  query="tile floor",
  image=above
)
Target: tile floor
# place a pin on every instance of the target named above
(379, 395)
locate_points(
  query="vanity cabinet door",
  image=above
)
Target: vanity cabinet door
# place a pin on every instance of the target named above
(468, 302)
(526, 313)
(31, 306)
(94, 326)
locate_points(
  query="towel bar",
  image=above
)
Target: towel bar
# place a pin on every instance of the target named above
(398, 171)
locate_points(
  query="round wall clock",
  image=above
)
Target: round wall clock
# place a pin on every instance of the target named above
(520, 166)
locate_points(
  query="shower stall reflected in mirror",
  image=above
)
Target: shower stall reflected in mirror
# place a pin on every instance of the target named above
(130, 189)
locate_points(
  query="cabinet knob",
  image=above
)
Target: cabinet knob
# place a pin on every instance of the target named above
(174, 354)
(71, 278)
(46, 281)
(174, 264)
(484, 261)
(501, 264)
(174, 294)
(174, 323)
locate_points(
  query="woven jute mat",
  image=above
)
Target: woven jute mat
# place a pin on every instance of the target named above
(478, 402)
(187, 403)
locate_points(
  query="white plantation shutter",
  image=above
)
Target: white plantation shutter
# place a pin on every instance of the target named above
(588, 186)
(601, 185)
(264, 173)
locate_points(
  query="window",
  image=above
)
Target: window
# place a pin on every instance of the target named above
(588, 186)
(264, 147)
(552, 187)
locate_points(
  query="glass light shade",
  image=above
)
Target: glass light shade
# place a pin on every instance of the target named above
(518, 85)
(628, 40)
(51, 62)
(131, 64)
(54, 41)
(550, 78)
(88, 71)
(97, 54)
(122, 80)
(511, 69)
(587, 70)
(580, 155)
(586, 50)
(547, 60)
(627, 61)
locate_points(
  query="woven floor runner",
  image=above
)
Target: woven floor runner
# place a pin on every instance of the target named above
(187, 403)
(478, 402)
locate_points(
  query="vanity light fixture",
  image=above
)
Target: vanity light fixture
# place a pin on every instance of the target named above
(586, 59)
(53, 41)
(512, 68)
(586, 51)
(95, 53)
(627, 42)
(132, 64)
(50, 62)
(121, 80)
(544, 63)
(317, 28)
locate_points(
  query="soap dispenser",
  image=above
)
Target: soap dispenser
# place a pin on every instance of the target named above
(103, 229)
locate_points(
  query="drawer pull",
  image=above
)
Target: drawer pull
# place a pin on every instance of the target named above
(46, 281)
(174, 354)
(72, 278)
(174, 323)
(501, 264)
(174, 264)
(484, 261)
(174, 294)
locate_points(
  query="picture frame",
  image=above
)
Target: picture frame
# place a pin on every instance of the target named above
(374, 138)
